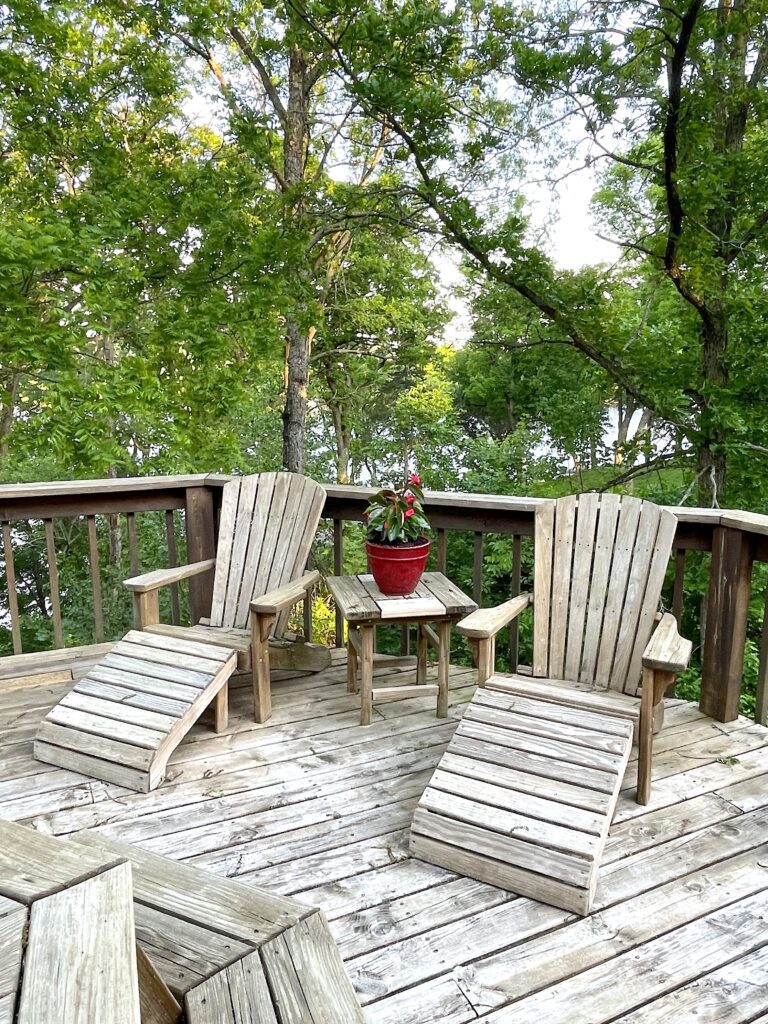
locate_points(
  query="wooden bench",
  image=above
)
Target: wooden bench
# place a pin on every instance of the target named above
(123, 720)
(232, 953)
(66, 915)
(524, 795)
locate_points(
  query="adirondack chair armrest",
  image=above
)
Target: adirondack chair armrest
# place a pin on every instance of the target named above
(158, 578)
(284, 597)
(667, 651)
(485, 623)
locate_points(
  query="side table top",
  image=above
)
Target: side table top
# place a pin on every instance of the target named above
(360, 600)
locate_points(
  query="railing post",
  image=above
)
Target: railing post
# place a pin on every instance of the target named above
(726, 623)
(678, 589)
(477, 569)
(200, 527)
(10, 578)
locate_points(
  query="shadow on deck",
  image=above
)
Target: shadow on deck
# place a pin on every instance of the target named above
(315, 805)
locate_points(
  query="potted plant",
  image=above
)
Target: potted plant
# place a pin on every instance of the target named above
(397, 549)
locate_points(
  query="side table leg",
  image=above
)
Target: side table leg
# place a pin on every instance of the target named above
(443, 659)
(352, 660)
(421, 654)
(366, 672)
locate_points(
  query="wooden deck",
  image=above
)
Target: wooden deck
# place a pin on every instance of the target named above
(314, 805)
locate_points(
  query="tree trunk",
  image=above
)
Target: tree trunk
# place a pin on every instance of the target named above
(9, 393)
(297, 341)
(710, 449)
(342, 438)
(625, 411)
(295, 408)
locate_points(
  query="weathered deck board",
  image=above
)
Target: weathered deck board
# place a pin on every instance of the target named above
(12, 925)
(313, 805)
(80, 964)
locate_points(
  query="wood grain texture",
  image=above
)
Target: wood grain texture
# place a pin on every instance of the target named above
(667, 650)
(33, 866)
(81, 732)
(158, 578)
(12, 933)
(157, 1003)
(80, 963)
(517, 839)
(267, 527)
(486, 622)
(237, 995)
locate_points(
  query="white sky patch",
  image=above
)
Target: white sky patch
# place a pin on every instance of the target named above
(573, 241)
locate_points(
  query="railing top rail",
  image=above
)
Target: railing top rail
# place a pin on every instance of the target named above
(67, 488)
(513, 503)
(339, 494)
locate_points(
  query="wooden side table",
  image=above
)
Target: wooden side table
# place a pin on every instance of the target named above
(435, 601)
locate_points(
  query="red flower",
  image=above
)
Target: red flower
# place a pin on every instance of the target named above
(415, 478)
(409, 498)
(408, 513)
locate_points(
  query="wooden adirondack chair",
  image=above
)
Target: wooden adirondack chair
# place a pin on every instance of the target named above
(267, 526)
(599, 567)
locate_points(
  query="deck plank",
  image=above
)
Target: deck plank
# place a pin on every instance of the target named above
(90, 925)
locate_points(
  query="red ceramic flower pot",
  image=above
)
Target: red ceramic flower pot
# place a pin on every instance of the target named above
(397, 568)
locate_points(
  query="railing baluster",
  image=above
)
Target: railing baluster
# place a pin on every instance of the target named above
(133, 544)
(761, 696)
(338, 567)
(442, 551)
(514, 590)
(477, 570)
(170, 536)
(10, 579)
(93, 548)
(677, 593)
(53, 577)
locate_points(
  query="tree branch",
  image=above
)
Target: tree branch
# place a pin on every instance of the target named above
(269, 86)
(642, 468)
(675, 209)
(749, 235)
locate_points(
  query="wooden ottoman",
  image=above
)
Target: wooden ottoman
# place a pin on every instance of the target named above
(123, 720)
(523, 797)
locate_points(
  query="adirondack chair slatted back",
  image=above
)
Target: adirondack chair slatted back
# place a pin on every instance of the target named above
(599, 566)
(267, 526)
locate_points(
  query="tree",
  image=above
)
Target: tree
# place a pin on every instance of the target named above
(671, 95)
(381, 320)
(282, 109)
(508, 376)
(139, 271)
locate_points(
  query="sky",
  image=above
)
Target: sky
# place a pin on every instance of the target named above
(574, 243)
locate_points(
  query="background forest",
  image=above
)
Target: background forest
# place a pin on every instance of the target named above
(234, 236)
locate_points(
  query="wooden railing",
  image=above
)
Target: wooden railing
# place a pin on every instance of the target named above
(190, 504)
(187, 504)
